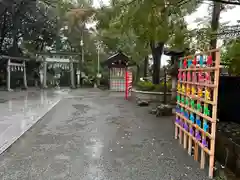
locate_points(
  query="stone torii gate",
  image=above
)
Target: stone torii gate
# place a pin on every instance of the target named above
(59, 58)
(15, 64)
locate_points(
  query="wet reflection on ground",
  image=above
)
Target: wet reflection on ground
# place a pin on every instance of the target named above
(23, 109)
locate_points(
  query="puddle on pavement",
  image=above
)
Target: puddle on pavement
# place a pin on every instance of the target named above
(82, 107)
(3, 100)
(94, 147)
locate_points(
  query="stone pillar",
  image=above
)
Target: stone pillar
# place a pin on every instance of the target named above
(174, 89)
(78, 78)
(41, 77)
(9, 75)
(24, 75)
(44, 74)
(174, 73)
(72, 74)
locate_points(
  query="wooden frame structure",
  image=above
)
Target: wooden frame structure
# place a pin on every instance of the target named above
(196, 111)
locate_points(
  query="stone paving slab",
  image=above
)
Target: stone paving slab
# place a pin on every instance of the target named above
(22, 110)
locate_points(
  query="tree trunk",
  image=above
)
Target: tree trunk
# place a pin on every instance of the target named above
(156, 53)
(215, 23)
(174, 73)
(3, 28)
(137, 73)
(174, 90)
(165, 86)
(15, 26)
(145, 70)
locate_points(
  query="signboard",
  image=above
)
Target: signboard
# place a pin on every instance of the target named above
(56, 59)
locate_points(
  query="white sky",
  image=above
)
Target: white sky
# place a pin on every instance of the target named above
(230, 16)
(96, 3)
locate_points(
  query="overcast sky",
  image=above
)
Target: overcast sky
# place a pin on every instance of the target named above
(231, 16)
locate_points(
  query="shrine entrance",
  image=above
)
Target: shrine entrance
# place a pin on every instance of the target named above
(57, 69)
(117, 65)
(13, 72)
(120, 76)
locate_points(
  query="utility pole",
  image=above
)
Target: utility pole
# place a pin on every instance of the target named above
(80, 78)
(82, 42)
(98, 58)
(82, 51)
(98, 63)
(145, 72)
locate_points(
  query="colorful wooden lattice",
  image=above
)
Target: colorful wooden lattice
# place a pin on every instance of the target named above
(196, 109)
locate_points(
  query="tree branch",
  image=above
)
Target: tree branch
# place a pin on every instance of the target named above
(128, 3)
(226, 2)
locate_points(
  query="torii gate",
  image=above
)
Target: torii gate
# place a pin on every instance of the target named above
(59, 58)
(15, 64)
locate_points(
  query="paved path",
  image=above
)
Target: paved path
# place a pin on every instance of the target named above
(21, 110)
(98, 136)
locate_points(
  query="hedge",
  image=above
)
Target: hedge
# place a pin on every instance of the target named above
(149, 86)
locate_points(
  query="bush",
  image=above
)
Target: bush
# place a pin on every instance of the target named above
(88, 81)
(160, 87)
(145, 86)
(104, 81)
(149, 86)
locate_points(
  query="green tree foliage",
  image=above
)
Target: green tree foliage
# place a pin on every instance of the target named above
(205, 33)
(152, 23)
(77, 18)
(114, 37)
(231, 56)
(28, 21)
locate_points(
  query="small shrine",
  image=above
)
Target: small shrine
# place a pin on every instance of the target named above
(117, 65)
(58, 68)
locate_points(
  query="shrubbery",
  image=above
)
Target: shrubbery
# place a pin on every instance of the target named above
(145, 86)
(149, 86)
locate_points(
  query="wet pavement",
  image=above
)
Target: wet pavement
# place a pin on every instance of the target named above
(97, 135)
(21, 110)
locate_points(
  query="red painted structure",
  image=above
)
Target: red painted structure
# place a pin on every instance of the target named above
(118, 73)
(128, 84)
